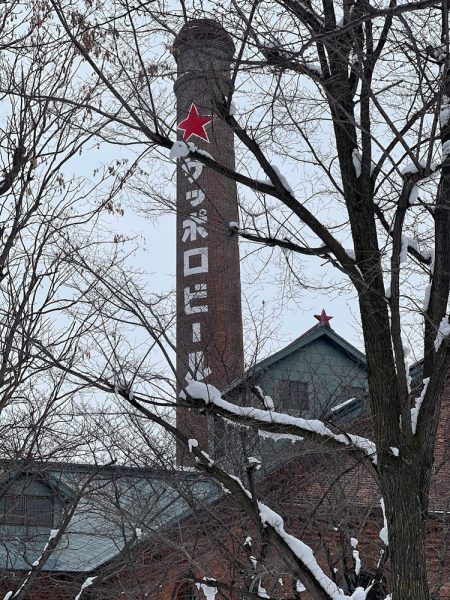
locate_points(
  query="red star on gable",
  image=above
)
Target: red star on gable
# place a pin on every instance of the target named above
(194, 124)
(323, 318)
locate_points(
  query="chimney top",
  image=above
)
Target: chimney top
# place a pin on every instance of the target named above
(198, 32)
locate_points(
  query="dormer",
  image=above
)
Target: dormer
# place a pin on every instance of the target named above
(32, 500)
(310, 376)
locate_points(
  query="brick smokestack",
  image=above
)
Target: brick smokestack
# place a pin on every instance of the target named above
(209, 315)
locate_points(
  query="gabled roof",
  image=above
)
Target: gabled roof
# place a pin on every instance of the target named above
(313, 334)
(317, 332)
(149, 500)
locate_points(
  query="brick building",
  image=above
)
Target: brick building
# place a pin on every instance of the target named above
(89, 532)
(153, 534)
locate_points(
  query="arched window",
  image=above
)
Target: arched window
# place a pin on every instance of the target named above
(187, 591)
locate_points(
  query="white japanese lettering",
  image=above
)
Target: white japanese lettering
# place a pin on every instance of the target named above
(197, 369)
(194, 269)
(199, 293)
(196, 333)
(193, 225)
(197, 169)
(195, 197)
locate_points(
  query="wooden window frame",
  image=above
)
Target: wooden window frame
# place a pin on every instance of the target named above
(23, 510)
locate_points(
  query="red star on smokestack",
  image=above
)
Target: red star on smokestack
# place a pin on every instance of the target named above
(194, 124)
(323, 319)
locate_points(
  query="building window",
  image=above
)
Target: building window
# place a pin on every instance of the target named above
(27, 510)
(293, 395)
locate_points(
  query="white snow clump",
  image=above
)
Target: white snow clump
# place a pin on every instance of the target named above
(182, 149)
(445, 149)
(262, 592)
(283, 179)
(413, 195)
(409, 168)
(301, 550)
(192, 444)
(415, 410)
(443, 332)
(444, 115)
(89, 581)
(356, 157)
(355, 553)
(179, 150)
(404, 249)
(267, 400)
(426, 298)
(384, 536)
(209, 590)
(254, 462)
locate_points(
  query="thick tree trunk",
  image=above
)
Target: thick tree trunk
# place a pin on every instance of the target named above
(406, 522)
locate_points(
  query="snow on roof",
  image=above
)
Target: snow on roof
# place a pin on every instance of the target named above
(342, 404)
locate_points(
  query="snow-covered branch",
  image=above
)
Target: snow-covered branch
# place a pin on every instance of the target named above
(271, 422)
(298, 555)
